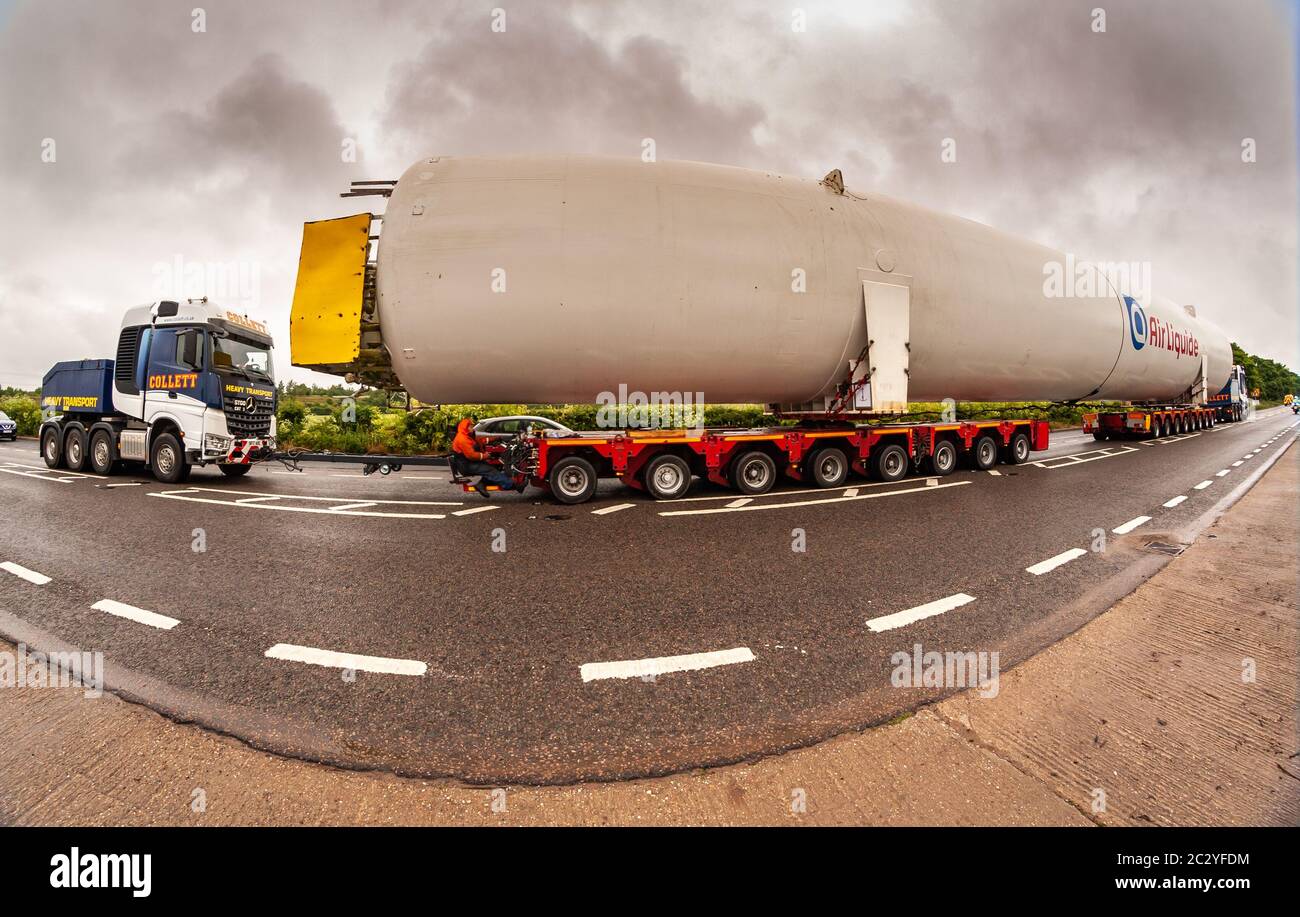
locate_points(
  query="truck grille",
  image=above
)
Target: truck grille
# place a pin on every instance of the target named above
(243, 421)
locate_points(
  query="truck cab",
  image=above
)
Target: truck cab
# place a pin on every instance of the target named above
(192, 384)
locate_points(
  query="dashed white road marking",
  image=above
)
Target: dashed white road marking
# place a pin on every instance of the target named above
(1047, 566)
(1202, 485)
(474, 509)
(138, 615)
(662, 665)
(379, 664)
(920, 612)
(1170, 504)
(743, 501)
(40, 579)
(346, 506)
(605, 510)
(793, 503)
(1131, 525)
(1237, 463)
(1219, 474)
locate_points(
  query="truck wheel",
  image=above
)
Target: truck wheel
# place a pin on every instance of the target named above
(74, 448)
(943, 460)
(167, 459)
(572, 479)
(1099, 436)
(753, 473)
(235, 471)
(830, 466)
(667, 477)
(890, 463)
(1017, 451)
(984, 453)
(52, 447)
(101, 452)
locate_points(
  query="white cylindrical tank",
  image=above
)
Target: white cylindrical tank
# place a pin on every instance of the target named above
(557, 278)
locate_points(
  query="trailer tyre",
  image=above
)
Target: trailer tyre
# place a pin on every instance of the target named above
(1099, 436)
(753, 472)
(235, 471)
(52, 447)
(667, 477)
(890, 463)
(830, 467)
(74, 448)
(167, 459)
(102, 452)
(1017, 451)
(984, 453)
(943, 460)
(572, 479)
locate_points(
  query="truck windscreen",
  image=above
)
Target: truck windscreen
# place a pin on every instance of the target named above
(241, 355)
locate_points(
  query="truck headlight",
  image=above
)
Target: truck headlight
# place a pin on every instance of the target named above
(213, 442)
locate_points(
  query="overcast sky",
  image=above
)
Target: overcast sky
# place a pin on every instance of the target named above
(180, 152)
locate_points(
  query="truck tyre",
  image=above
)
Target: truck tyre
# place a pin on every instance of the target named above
(1099, 436)
(101, 452)
(667, 477)
(830, 466)
(1017, 451)
(74, 448)
(943, 460)
(984, 453)
(753, 473)
(890, 463)
(167, 459)
(235, 471)
(52, 447)
(572, 479)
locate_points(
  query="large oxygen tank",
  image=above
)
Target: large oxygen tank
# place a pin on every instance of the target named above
(558, 278)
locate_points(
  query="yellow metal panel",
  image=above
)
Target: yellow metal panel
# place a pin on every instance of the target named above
(325, 324)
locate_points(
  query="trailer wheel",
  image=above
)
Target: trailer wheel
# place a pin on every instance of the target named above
(74, 448)
(667, 477)
(235, 471)
(754, 472)
(890, 463)
(1099, 436)
(572, 479)
(52, 447)
(101, 452)
(984, 453)
(943, 460)
(167, 459)
(1017, 451)
(830, 466)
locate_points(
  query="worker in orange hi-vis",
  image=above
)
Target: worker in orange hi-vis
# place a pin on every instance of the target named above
(469, 459)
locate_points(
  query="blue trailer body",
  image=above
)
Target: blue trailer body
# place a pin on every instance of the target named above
(78, 387)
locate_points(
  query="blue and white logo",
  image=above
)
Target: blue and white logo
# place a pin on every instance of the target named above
(1137, 323)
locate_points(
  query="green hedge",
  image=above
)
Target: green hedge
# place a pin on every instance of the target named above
(25, 411)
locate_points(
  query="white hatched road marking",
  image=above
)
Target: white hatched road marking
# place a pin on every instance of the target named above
(920, 612)
(379, 664)
(125, 484)
(139, 615)
(1047, 566)
(1078, 458)
(259, 499)
(476, 509)
(605, 510)
(346, 506)
(662, 665)
(851, 492)
(1170, 504)
(1131, 525)
(743, 501)
(40, 579)
(842, 499)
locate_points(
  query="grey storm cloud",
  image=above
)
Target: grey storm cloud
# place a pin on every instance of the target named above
(217, 146)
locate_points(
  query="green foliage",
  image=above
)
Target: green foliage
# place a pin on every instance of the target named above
(1271, 379)
(24, 409)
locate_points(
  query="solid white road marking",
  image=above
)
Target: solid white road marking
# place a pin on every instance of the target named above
(1131, 525)
(39, 477)
(245, 493)
(259, 499)
(40, 579)
(1202, 485)
(743, 501)
(1219, 474)
(125, 484)
(612, 509)
(1046, 566)
(345, 506)
(928, 610)
(760, 506)
(662, 665)
(1174, 502)
(473, 510)
(379, 664)
(138, 615)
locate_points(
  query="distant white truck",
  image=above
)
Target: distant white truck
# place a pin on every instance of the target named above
(192, 384)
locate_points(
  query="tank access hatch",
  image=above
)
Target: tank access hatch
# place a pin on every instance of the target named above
(333, 326)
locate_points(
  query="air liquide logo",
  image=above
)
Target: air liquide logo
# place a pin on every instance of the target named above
(1137, 323)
